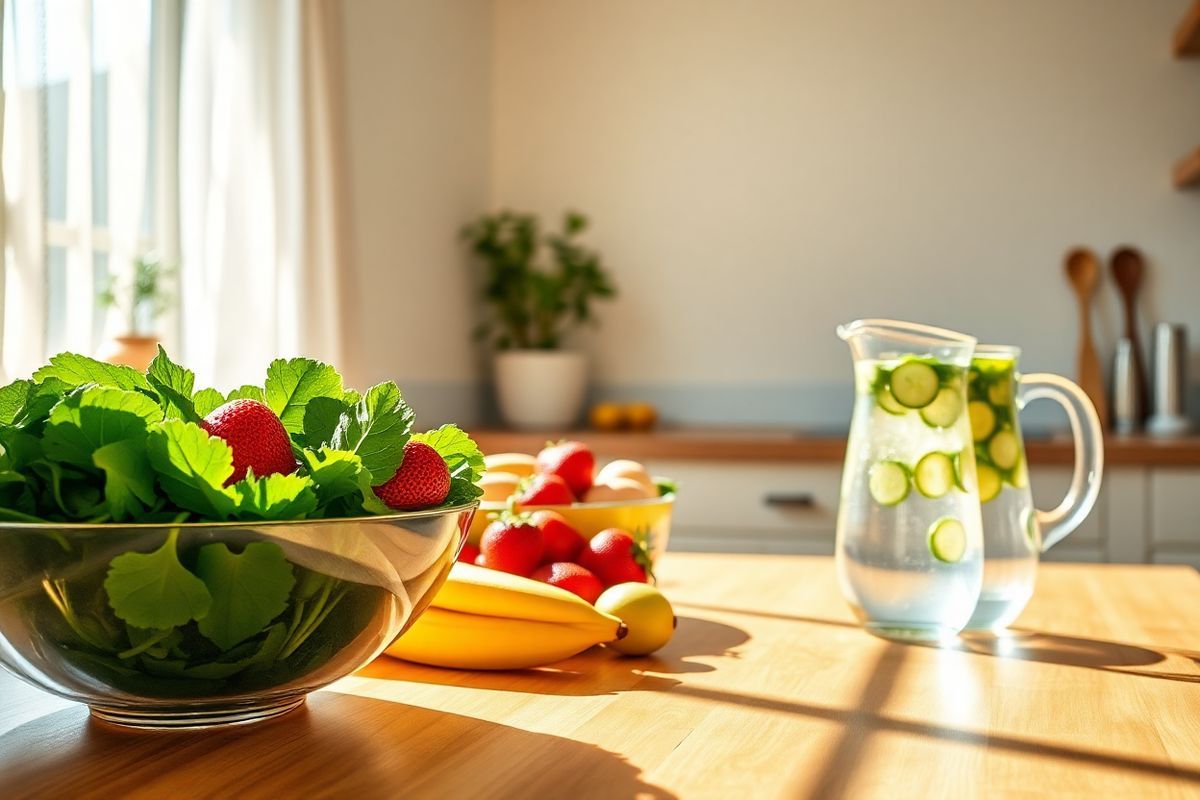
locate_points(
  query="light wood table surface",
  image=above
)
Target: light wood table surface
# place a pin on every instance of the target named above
(767, 690)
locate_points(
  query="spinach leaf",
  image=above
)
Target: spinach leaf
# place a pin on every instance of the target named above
(321, 418)
(248, 590)
(88, 419)
(75, 370)
(128, 478)
(192, 468)
(274, 497)
(153, 590)
(207, 401)
(246, 392)
(173, 384)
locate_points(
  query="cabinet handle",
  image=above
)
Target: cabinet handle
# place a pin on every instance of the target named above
(790, 500)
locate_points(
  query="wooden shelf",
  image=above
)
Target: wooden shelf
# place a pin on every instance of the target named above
(1187, 171)
(1187, 35)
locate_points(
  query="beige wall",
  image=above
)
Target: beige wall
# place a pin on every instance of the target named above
(758, 171)
(418, 88)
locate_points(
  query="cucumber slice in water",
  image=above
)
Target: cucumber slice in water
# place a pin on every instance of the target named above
(1004, 450)
(1000, 392)
(888, 483)
(948, 540)
(944, 410)
(888, 403)
(1019, 476)
(983, 419)
(934, 475)
(914, 384)
(964, 469)
(989, 482)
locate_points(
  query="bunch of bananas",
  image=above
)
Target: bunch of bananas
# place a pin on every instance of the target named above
(485, 619)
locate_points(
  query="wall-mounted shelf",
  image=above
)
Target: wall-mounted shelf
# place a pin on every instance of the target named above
(1187, 171)
(1187, 35)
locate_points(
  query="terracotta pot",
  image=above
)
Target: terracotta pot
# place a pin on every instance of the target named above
(132, 351)
(541, 389)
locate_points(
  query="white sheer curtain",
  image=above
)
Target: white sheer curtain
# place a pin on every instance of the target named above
(260, 201)
(77, 126)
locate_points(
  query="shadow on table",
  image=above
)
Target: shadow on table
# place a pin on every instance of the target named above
(598, 671)
(339, 745)
(1076, 651)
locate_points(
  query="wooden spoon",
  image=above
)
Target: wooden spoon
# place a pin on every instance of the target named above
(1128, 267)
(1083, 272)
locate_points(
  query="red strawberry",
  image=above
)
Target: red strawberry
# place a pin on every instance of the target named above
(571, 461)
(560, 541)
(545, 490)
(422, 480)
(255, 435)
(615, 557)
(572, 577)
(511, 544)
(468, 553)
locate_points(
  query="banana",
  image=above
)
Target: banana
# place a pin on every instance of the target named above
(485, 619)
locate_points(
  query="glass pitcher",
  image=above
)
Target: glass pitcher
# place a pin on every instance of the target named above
(909, 532)
(1014, 532)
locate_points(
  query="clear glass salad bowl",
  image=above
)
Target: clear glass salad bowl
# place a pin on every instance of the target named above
(201, 624)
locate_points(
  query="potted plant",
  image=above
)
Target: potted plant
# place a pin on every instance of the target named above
(143, 299)
(536, 288)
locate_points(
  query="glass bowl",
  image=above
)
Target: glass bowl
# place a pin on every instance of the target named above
(202, 624)
(650, 518)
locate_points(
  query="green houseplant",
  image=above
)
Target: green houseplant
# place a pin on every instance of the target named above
(536, 288)
(141, 300)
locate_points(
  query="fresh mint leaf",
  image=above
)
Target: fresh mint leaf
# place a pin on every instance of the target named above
(376, 430)
(87, 419)
(275, 497)
(192, 468)
(75, 370)
(153, 590)
(462, 456)
(321, 418)
(246, 392)
(173, 384)
(207, 401)
(248, 590)
(292, 383)
(128, 478)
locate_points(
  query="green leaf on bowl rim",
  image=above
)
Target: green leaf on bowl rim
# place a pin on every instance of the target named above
(154, 590)
(274, 497)
(248, 589)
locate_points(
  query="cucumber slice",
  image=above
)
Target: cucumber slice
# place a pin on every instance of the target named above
(1004, 450)
(1032, 531)
(914, 384)
(888, 403)
(1019, 476)
(948, 540)
(1000, 392)
(989, 482)
(964, 469)
(934, 475)
(888, 483)
(983, 419)
(944, 410)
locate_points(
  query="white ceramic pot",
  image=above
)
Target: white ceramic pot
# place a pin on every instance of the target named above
(541, 389)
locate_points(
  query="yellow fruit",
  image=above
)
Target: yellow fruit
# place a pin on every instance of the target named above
(632, 470)
(641, 416)
(646, 612)
(519, 464)
(498, 486)
(607, 417)
(486, 619)
(618, 490)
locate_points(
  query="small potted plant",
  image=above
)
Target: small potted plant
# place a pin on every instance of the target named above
(536, 288)
(143, 299)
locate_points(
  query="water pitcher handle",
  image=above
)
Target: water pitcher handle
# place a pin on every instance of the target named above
(1089, 453)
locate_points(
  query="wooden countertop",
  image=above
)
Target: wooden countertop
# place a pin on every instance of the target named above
(779, 444)
(768, 690)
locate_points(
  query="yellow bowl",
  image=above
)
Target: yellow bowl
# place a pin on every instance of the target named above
(652, 515)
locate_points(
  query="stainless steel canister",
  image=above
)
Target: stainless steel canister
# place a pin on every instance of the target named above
(1169, 381)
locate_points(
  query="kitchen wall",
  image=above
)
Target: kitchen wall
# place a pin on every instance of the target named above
(758, 172)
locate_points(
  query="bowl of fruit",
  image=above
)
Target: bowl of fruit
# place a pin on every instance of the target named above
(560, 488)
(177, 558)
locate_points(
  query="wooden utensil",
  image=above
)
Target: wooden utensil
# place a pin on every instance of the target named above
(1083, 272)
(1128, 267)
